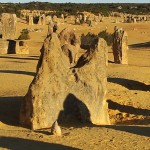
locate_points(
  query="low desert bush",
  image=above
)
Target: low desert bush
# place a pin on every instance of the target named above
(24, 35)
(106, 36)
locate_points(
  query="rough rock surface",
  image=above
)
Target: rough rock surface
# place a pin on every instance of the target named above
(30, 20)
(55, 19)
(0, 28)
(43, 20)
(55, 129)
(40, 20)
(124, 48)
(67, 36)
(59, 89)
(4, 46)
(120, 46)
(48, 19)
(70, 44)
(50, 28)
(8, 25)
(21, 48)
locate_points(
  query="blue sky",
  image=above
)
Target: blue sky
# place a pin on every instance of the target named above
(79, 1)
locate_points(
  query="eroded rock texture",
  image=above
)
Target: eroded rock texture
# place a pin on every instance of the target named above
(67, 36)
(0, 29)
(120, 46)
(21, 47)
(4, 46)
(60, 88)
(30, 20)
(124, 48)
(8, 25)
(70, 45)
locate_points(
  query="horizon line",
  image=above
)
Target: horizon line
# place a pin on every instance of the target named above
(75, 2)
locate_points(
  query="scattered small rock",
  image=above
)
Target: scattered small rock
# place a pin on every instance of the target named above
(55, 129)
(41, 136)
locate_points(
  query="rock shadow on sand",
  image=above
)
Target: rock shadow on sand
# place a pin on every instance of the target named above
(138, 130)
(127, 109)
(75, 113)
(130, 84)
(10, 109)
(18, 72)
(21, 58)
(14, 143)
(144, 113)
(145, 45)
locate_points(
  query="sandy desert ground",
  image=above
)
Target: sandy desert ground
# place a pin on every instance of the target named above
(128, 97)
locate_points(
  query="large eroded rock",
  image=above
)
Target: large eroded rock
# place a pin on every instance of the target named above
(59, 88)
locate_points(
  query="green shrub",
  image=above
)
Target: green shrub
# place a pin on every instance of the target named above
(107, 37)
(24, 35)
(87, 40)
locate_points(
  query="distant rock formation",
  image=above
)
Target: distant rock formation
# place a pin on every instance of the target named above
(21, 47)
(8, 26)
(4, 46)
(120, 46)
(30, 20)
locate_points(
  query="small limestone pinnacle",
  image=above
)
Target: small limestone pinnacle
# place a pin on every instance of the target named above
(55, 129)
